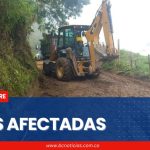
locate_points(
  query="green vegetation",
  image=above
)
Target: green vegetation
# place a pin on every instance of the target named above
(129, 64)
(17, 68)
(55, 13)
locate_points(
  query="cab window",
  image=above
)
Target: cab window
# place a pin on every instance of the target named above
(61, 37)
(69, 37)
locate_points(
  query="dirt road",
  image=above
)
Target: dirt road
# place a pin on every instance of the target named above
(106, 85)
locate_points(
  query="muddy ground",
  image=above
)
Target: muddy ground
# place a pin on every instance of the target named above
(106, 85)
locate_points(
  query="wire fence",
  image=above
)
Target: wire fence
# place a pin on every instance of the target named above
(135, 63)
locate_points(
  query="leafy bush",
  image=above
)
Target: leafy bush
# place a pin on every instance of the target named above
(17, 68)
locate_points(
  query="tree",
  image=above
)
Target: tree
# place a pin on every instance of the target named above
(55, 13)
(16, 19)
(15, 11)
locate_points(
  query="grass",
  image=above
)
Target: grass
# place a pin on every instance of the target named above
(17, 71)
(129, 64)
(14, 77)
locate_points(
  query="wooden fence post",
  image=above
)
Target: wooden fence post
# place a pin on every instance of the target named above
(149, 62)
(119, 50)
(131, 60)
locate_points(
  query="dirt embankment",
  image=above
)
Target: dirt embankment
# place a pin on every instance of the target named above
(106, 85)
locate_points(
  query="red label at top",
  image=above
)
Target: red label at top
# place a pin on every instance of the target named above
(3, 96)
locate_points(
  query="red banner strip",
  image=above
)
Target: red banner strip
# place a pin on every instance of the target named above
(75, 145)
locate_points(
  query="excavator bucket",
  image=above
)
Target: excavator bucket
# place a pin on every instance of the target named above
(107, 51)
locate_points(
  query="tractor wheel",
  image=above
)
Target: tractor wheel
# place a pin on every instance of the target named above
(64, 69)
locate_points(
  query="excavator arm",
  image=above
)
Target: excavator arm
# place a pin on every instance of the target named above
(103, 20)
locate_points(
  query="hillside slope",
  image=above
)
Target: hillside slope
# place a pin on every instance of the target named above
(17, 68)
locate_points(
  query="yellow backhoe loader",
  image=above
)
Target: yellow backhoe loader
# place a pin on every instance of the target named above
(79, 51)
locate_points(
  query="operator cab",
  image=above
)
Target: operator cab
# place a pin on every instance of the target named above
(73, 37)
